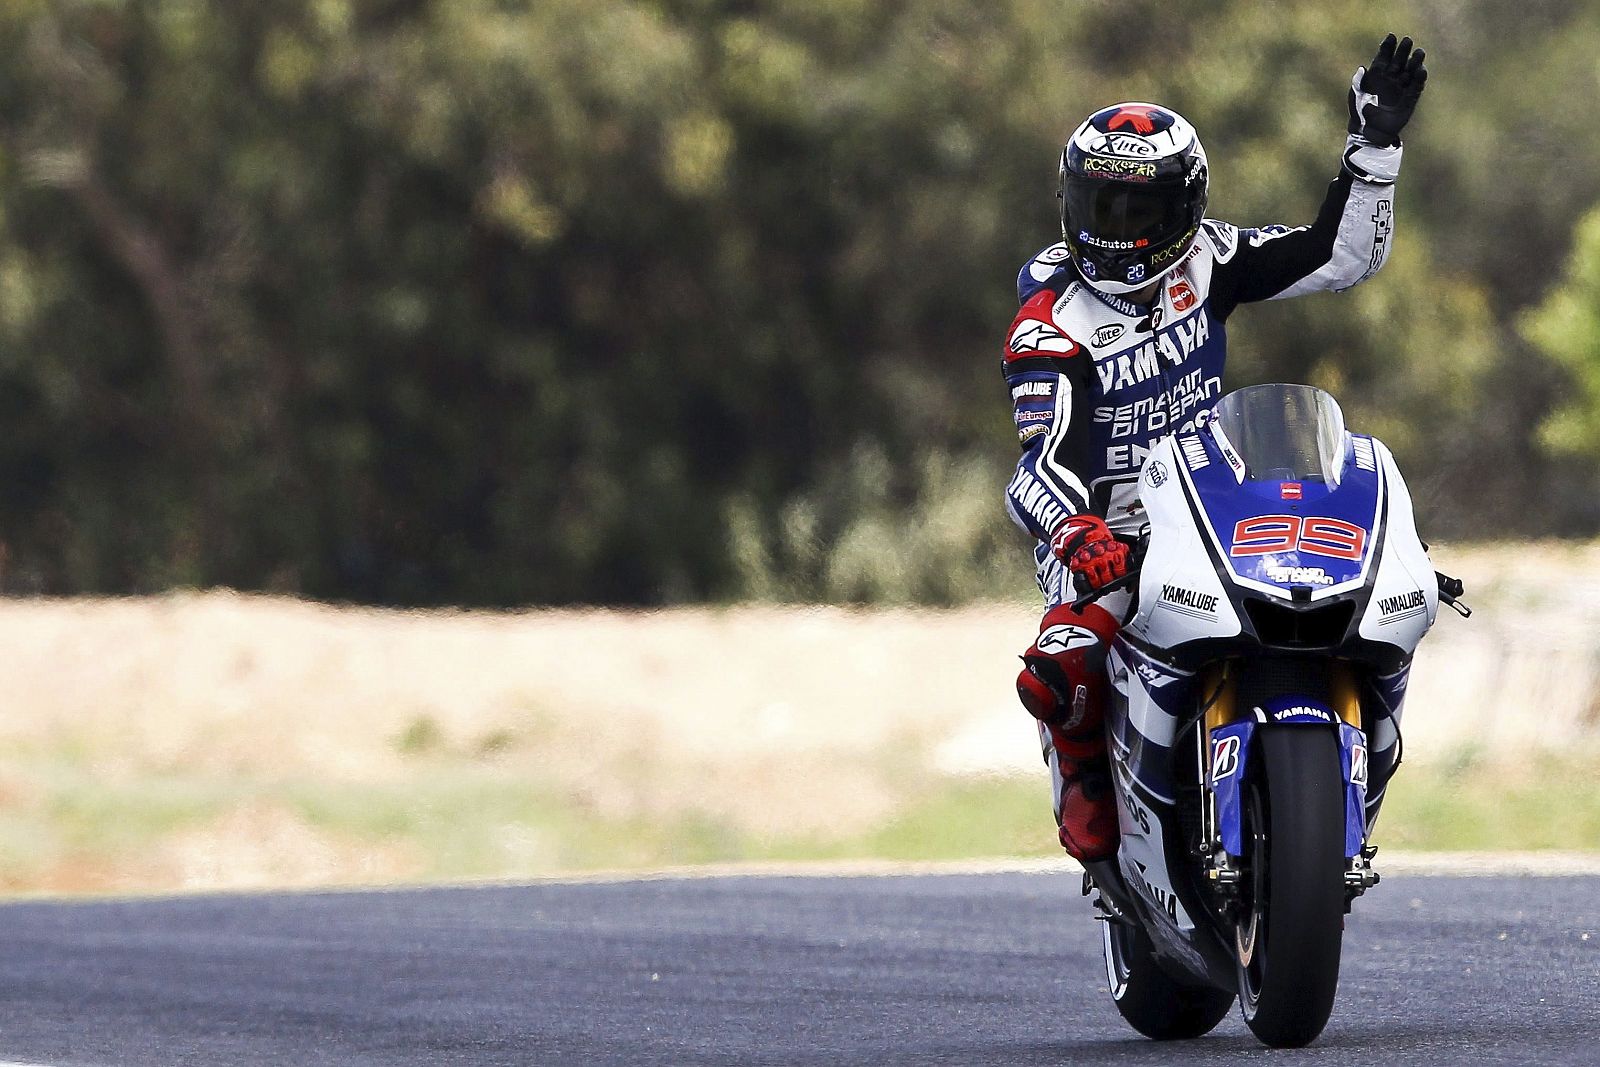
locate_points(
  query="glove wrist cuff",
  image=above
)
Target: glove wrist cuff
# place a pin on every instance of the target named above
(1371, 163)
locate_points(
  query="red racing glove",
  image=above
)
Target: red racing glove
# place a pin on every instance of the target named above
(1095, 558)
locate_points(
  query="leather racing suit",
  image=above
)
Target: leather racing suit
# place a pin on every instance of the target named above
(1095, 380)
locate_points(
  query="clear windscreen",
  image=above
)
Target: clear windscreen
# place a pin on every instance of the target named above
(1284, 433)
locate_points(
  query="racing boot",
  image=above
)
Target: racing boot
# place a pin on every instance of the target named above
(1062, 685)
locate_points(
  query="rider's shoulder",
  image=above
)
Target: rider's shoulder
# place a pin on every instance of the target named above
(1048, 265)
(1219, 239)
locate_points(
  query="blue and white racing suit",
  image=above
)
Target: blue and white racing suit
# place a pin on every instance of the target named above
(1096, 380)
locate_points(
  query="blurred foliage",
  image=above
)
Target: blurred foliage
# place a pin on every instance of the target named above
(488, 302)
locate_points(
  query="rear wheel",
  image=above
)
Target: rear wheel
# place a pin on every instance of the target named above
(1288, 934)
(1152, 1002)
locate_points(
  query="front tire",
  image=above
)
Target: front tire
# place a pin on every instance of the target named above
(1288, 936)
(1153, 1003)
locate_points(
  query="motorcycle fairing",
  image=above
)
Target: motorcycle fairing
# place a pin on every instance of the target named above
(1181, 595)
(1331, 531)
(1192, 590)
(1353, 760)
(1151, 699)
(1149, 702)
(1404, 602)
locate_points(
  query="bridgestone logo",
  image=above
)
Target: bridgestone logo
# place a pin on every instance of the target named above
(1393, 605)
(1188, 598)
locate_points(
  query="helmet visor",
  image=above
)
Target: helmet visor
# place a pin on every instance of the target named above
(1118, 216)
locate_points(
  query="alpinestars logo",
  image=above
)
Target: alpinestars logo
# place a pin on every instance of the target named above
(1383, 226)
(1031, 335)
(1066, 637)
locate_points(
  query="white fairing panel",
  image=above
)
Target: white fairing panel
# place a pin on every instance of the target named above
(1180, 596)
(1143, 852)
(1405, 593)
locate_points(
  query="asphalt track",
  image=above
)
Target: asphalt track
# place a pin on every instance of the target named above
(985, 969)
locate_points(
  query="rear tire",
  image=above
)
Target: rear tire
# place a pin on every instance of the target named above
(1288, 939)
(1152, 1002)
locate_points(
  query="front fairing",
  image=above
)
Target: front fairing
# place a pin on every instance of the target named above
(1238, 562)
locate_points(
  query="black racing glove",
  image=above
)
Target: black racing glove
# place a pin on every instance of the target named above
(1383, 96)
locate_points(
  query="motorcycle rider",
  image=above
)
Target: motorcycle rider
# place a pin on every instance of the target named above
(1120, 340)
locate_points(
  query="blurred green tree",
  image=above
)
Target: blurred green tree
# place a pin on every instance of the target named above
(487, 302)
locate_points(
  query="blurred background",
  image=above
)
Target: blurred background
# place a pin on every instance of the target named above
(469, 404)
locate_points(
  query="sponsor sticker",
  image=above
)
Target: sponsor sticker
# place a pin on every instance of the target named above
(1194, 452)
(1032, 335)
(1155, 473)
(1106, 334)
(1065, 637)
(1291, 490)
(1188, 598)
(1174, 250)
(1358, 764)
(1041, 389)
(1111, 245)
(1183, 297)
(1122, 144)
(1301, 711)
(1152, 676)
(1299, 575)
(1224, 757)
(1029, 433)
(1120, 168)
(1035, 416)
(1402, 604)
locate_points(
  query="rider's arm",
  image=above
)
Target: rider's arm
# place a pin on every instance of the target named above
(1049, 376)
(1346, 245)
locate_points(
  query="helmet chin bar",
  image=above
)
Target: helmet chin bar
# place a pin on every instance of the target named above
(1116, 288)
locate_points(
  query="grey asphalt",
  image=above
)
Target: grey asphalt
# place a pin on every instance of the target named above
(954, 969)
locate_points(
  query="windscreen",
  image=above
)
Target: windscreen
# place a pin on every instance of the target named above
(1284, 433)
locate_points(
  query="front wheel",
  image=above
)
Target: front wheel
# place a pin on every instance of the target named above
(1289, 931)
(1152, 1002)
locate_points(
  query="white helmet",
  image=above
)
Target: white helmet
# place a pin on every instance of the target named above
(1133, 192)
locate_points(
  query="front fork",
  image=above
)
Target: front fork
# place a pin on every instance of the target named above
(1223, 744)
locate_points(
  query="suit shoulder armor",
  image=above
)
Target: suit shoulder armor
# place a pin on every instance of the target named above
(1046, 266)
(1220, 238)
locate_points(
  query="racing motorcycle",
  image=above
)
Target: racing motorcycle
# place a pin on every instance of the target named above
(1254, 719)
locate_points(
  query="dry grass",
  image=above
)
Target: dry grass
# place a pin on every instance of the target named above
(219, 740)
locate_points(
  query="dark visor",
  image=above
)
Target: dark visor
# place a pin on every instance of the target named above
(1119, 212)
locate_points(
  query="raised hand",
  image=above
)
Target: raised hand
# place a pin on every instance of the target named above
(1384, 94)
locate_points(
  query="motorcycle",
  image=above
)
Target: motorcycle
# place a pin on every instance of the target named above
(1254, 720)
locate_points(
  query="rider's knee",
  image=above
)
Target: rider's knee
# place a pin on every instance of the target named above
(1062, 680)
